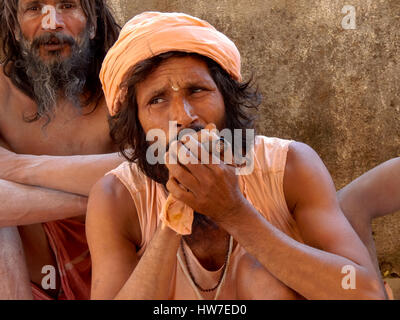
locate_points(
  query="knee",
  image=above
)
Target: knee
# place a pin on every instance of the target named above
(353, 207)
(14, 277)
(10, 242)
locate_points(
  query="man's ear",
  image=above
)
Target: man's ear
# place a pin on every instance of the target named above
(17, 34)
(93, 30)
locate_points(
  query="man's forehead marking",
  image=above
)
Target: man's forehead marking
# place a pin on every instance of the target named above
(175, 88)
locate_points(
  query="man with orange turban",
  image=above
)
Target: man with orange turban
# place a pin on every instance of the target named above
(275, 231)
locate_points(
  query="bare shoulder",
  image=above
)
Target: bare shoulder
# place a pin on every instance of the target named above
(112, 235)
(111, 210)
(306, 177)
(300, 156)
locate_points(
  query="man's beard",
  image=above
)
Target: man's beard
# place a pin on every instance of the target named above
(59, 78)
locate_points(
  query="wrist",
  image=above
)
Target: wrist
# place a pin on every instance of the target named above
(9, 163)
(237, 214)
(168, 234)
(19, 163)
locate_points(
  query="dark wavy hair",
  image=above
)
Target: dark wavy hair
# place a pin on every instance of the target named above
(240, 99)
(98, 16)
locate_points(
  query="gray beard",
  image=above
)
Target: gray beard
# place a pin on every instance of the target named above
(61, 78)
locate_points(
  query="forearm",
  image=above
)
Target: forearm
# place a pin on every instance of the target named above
(151, 278)
(376, 193)
(360, 220)
(22, 205)
(313, 273)
(73, 174)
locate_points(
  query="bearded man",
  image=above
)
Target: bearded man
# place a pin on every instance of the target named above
(374, 194)
(52, 104)
(196, 230)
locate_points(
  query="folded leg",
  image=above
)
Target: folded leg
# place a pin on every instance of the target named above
(14, 276)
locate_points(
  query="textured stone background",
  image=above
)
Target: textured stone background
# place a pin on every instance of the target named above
(334, 89)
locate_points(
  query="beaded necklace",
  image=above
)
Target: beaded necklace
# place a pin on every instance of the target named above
(187, 271)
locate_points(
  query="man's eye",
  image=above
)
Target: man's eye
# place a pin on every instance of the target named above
(33, 8)
(67, 6)
(156, 101)
(197, 90)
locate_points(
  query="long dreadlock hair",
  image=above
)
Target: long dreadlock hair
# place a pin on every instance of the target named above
(99, 17)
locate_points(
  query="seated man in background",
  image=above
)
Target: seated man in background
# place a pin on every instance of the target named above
(276, 232)
(51, 103)
(374, 194)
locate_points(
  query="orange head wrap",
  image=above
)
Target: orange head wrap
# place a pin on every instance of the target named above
(152, 33)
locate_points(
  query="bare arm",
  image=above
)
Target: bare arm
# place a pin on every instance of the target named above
(374, 194)
(330, 242)
(314, 268)
(73, 174)
(113, 234)
(22, 205)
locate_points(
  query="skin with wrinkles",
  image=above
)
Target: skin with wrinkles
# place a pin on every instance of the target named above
(267, 270)
(60, 178)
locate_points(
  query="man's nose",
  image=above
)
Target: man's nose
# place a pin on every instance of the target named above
(52, 19)
(59, 21)
(182, 112)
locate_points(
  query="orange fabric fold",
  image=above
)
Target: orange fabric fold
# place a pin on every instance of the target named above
(67, 239)
(152, 33)
(177, 216)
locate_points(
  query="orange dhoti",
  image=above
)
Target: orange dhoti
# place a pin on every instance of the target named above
(67, 239)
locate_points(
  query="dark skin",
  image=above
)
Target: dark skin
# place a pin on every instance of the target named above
(69, 133)
(212, 190)
(374, 194)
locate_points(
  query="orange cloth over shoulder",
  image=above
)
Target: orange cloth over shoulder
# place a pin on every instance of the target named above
(152, 33)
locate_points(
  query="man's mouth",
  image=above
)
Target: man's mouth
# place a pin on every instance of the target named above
(54, 45)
